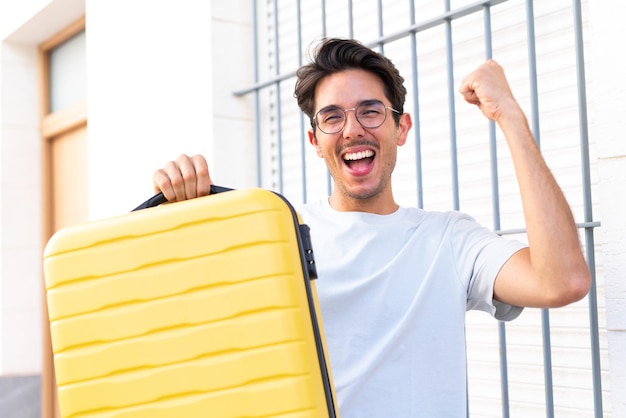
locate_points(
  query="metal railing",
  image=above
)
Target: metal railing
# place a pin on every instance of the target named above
(445, 20)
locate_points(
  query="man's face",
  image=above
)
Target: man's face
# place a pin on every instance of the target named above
(360, 160)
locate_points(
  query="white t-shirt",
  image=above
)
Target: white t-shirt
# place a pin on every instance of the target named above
(393, 292)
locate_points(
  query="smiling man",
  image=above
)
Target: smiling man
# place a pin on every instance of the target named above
(394, 282)
(351, 135)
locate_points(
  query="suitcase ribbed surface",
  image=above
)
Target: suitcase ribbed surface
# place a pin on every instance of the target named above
(195, 309)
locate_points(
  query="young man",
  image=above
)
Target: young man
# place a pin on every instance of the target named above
(395, 282)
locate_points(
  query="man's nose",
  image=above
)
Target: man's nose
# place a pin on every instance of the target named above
(353, 127)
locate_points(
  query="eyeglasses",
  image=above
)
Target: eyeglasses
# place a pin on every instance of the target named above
(370, 114)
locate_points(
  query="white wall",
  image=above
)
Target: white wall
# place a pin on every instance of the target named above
(160, 84)
(20, 226)
(608, 126)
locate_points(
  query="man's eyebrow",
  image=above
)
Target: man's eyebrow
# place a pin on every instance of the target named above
(370, 102)
(362, 102)
(328, 108)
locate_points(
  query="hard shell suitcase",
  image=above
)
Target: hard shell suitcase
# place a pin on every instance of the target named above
(202, 308)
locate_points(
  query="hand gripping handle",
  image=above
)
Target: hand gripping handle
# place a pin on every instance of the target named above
(159, 198)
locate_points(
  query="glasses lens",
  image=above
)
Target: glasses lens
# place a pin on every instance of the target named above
(371, 114)
(330, 120)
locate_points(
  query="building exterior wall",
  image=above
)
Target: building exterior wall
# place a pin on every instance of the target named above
(160, 85)
(160, 82)
(608, 75)
(20, 232)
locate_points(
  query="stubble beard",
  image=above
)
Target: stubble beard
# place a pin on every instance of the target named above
(361, 197)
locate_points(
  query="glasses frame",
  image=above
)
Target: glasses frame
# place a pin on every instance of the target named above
(356, 115)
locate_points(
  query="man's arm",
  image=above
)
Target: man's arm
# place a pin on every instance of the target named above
(552, 271)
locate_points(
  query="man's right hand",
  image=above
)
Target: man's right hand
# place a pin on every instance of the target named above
(185, 178)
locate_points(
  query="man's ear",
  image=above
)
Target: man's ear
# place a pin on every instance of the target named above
(403, 128)
(313, 141)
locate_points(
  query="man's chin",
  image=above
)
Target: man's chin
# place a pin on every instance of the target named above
(362, 192)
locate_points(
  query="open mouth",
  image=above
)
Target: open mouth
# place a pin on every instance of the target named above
(359, 161)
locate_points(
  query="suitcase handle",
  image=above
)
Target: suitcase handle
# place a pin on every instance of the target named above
(159, 198)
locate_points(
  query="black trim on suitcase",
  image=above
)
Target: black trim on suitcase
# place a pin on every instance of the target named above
(306, 254)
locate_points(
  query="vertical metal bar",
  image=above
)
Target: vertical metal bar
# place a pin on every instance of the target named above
(350, 19)
(257, 105)
(547, 362)
(532, 69)
(329, 180)
(416, 111)
(493, 147)
(545, 313)
(495, 202)
(593, 324)
(324, 30)
(380, 25)
(534, 96)
(452, 112)
(589, 236)
(279, 135)
(302, 129)
(329, 183)
(504, 372)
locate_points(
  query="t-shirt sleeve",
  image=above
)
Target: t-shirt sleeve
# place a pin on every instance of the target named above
(480, 254)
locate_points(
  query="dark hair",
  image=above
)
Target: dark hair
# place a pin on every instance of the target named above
(334, 55)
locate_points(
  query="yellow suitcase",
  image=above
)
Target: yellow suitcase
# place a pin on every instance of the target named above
(202, 308)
